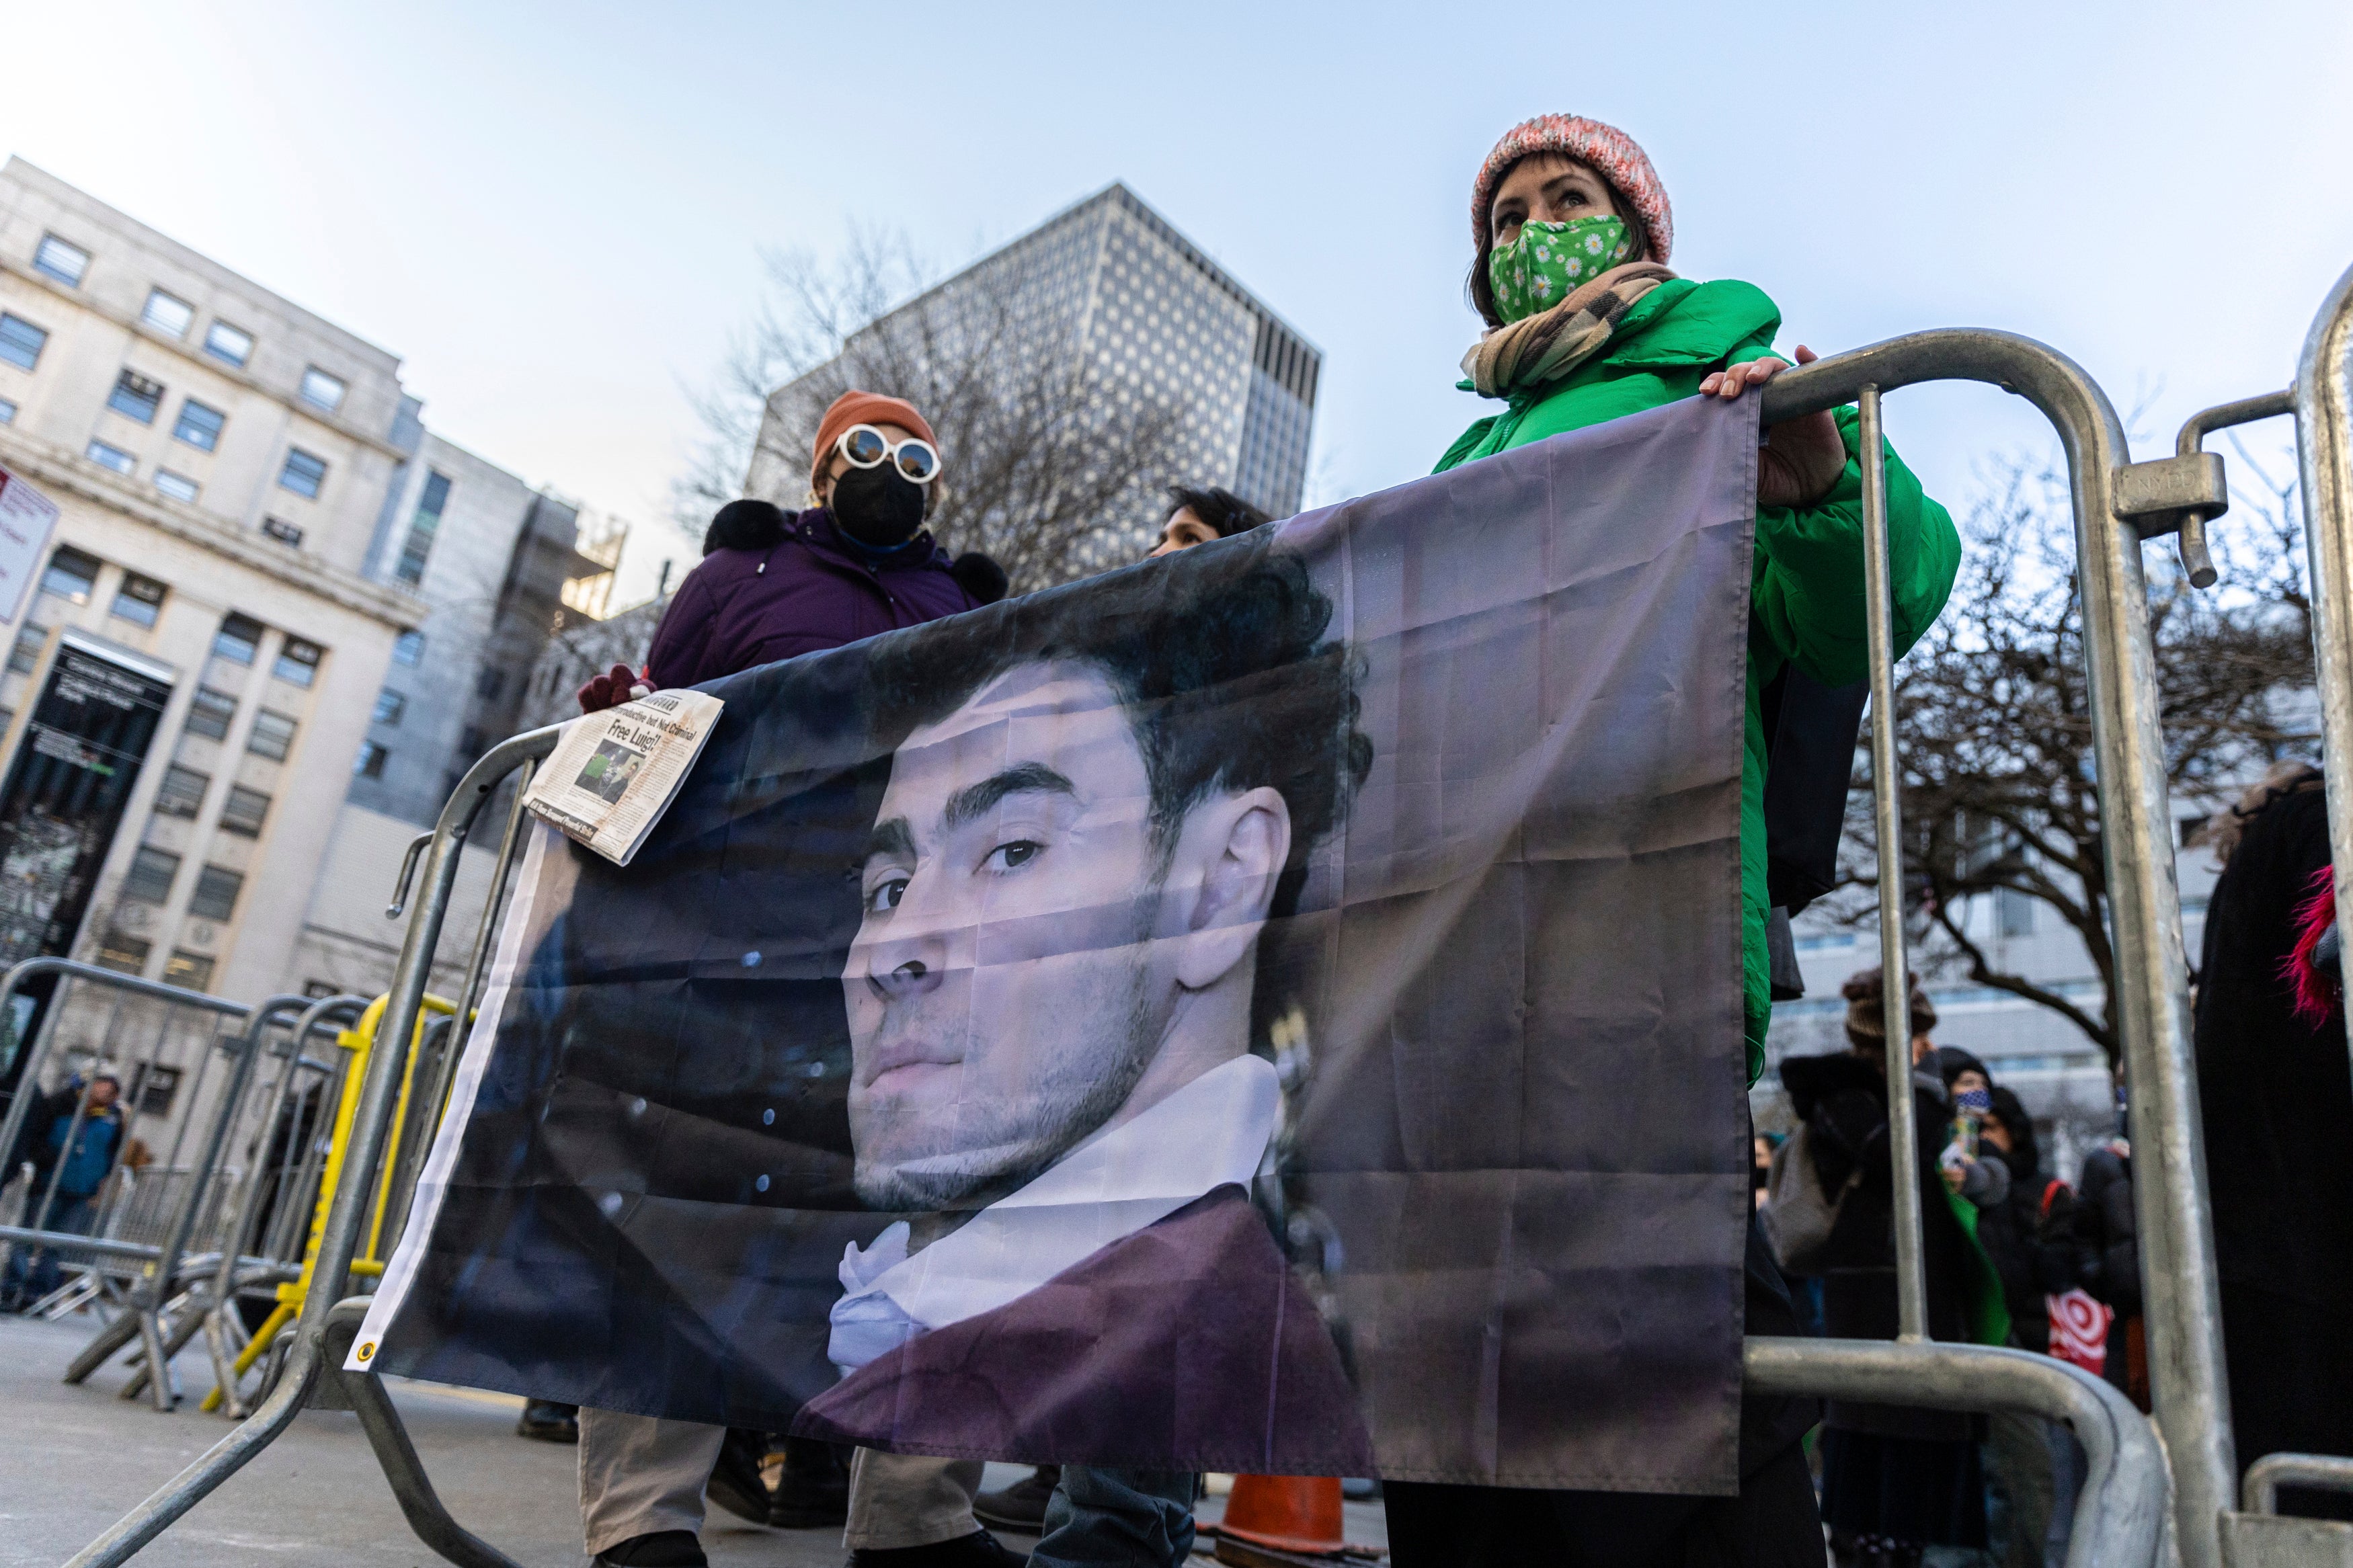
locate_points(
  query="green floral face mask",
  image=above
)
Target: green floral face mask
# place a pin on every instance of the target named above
(1549, 261)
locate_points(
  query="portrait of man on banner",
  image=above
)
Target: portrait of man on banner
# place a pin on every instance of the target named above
(1091, 816)
(1228, 1013)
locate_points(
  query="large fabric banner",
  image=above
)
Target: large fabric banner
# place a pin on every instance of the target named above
(1273, 1008)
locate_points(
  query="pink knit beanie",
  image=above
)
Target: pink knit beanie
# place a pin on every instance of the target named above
(1609, 151)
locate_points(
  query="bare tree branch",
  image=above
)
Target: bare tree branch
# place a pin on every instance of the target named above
(1995, 728)
(1040, 445)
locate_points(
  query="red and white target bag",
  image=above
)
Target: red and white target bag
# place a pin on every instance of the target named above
(2078, 1328)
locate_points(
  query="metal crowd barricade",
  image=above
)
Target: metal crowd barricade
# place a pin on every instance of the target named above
(293, 1279)
(263, 1237)
(2127, 1510)
(2322, 401)
(183, 1070)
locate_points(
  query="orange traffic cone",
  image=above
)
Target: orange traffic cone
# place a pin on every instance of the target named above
(1276, 1519)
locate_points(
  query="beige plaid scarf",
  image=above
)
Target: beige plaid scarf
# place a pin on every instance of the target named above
(1549, 344)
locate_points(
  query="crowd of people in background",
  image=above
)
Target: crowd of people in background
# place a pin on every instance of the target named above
(2012, 1256)
(2015, 1256)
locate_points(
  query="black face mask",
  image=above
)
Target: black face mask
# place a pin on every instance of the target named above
(878, 507)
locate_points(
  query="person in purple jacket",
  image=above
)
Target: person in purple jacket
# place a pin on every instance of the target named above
(773, 584)
(858, 563)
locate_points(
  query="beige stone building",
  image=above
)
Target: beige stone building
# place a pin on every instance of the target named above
(221, 458)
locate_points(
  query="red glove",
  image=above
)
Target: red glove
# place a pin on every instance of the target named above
(615, 687)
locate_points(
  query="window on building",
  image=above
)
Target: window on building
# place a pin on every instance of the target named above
(422, 527)
(122, 952)
(238, 639)
(470, 742)
(182, 792)
(408, 646)
(273, 736)
(188, 971)
(322, 390)
(389, 705)
(303, 473)
(369, 763)
(21, 341)
(317, 990)
(72, 575)
(25, 652)
(230, 345)
(210, 713)
(215, 895)
(179, 487)
(285, 532)
(246, 811)
(168, 314)
(8, 412)
(489, 682)
(199, 426)
(153, 872)
(2017, 911)
(107, 456)
(140, 599)
(136, 397)
(298, 662)
(61, 259)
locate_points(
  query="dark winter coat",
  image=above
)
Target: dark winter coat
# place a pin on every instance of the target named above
(2029, 1235)
(2108, 1239)
(2278, 1112)
(1843, 1099)
(812, 589)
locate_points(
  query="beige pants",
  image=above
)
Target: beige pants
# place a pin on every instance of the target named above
(899, 1499)
(640, 1474)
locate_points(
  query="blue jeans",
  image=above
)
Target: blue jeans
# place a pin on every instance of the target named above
(1106, 1518)
(33, 1271)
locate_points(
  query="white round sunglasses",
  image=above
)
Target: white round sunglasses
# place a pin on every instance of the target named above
(864, 446)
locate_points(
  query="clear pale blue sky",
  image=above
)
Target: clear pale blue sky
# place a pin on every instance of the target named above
(554, 213)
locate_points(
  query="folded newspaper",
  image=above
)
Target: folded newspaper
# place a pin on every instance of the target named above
(614, 774)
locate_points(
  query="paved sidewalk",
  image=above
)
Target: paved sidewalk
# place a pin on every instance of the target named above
(72, 1460)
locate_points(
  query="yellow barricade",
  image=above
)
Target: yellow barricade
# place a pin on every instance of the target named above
(368, 1262)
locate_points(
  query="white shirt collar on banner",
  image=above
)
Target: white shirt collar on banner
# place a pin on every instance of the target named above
(1212, 1131)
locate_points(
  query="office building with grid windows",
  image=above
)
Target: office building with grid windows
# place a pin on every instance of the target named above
(249, 539)
(1113, 286)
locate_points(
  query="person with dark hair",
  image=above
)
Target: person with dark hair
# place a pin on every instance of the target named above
(1197, 514)
(1111, 1497)
(1096, 805)
(1895, 1480)
(1571, 231)
(2107, 1260)
(2276, 1099)
(2029, 1237)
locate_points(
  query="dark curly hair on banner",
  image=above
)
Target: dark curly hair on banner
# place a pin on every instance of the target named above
(1219, 657)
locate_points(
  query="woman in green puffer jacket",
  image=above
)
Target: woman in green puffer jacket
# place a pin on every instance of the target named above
(1572, 232)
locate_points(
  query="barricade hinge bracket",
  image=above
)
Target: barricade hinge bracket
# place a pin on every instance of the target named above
(2158, 496)
(2176, 495)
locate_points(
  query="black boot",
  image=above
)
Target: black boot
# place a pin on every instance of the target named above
(548, 1421)
(1022, 1505)
(812, 1489)
(978, 1549)
(662, 1548)
(736, 1484)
